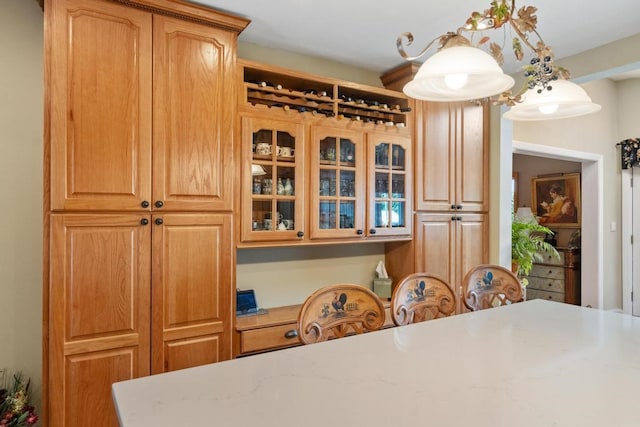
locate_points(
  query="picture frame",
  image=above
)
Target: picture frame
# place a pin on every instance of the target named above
(555, 200)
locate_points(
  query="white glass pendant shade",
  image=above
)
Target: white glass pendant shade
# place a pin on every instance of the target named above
(458, 73)
(565, 99)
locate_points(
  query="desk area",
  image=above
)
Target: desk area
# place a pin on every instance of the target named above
(532, 364)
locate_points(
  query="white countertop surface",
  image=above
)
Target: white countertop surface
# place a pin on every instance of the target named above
(532, 364)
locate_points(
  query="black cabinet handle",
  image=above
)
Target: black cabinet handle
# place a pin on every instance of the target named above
(458, 206)
(159, 221)
(300, 234)
(372, 231)
(159, 204)
(144, 204)
(359, 232)
(453, 206)
(144, 221)
(293, 333)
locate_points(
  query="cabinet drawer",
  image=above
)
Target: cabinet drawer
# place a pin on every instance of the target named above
(549, 296)
(545, 284)
(268, 338)
(547, 272)
(550, 259)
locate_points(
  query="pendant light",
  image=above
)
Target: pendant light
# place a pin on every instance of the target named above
(460, 71)
(565, 99)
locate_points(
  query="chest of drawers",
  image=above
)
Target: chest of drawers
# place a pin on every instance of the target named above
(556, 279)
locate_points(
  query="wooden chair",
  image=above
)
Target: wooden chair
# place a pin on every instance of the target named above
(421, 296)
(338, 310)
(487, 286)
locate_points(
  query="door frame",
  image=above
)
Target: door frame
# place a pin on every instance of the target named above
(591, 271)
(627, 232)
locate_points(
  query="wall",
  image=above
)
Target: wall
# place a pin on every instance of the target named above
(595, 133)
(21, 129)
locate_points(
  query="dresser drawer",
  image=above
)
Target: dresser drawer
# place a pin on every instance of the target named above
(549, 296)
(547, 272)
(546, 284)
(550, 259)
(262, 339)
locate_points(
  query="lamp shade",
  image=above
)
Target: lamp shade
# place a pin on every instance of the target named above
(525, 215)
(565, 99)
(458, 73)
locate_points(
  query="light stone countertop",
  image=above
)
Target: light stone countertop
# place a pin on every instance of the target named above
(532, 364)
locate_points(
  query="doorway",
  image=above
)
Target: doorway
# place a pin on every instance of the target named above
(630, 227)
(592, 213)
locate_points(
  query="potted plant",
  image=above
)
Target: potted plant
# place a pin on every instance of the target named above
(528, 246)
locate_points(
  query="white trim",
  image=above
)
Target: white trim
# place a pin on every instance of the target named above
(592, 265)
(627, 232)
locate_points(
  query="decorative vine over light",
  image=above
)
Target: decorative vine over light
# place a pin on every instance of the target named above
(541, 71)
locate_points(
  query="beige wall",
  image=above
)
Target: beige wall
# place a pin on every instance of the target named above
(21, 101)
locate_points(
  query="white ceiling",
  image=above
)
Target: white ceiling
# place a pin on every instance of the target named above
(363, 33)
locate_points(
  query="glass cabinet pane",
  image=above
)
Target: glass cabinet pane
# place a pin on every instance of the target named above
(390, 185)
(327, 215)
(347, 214)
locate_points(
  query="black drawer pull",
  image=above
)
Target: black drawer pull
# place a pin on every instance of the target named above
(293, 333)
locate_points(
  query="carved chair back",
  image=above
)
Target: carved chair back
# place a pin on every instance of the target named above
(421, 296)
(487, 286)
(335, 311)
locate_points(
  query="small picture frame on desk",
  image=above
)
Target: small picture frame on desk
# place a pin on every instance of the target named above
(557, 200)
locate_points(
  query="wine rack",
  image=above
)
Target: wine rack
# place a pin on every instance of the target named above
(313, 96)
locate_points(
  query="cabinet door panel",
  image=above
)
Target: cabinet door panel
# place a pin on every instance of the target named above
(337, 183)
(435, 245)
(435, 147)
(272, 211)
(472, 181)
(88, 379)
(194, 99)
(192, 279)
(100, 106)
(99, 310)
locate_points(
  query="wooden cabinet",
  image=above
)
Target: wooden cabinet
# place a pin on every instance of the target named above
(449, 245)
(556, 279)
(347, 172)
(138, 197)
(452, 160)
(192, 287)
(451, 145)
(99, 317)
(273, 185)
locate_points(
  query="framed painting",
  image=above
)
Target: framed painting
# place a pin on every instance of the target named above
(556, 200)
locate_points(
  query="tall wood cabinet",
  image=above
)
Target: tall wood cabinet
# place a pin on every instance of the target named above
(451, 188)
(139, 198)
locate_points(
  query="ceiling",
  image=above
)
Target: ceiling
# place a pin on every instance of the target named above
(362, 33)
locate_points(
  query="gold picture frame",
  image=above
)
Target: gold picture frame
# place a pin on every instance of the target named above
(555, 200)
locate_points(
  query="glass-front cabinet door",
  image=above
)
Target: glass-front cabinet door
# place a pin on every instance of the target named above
(337, 183)
(390, 190)
(273, 180)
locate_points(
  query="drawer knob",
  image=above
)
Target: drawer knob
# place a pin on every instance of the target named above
(550, 284)
(293, 333)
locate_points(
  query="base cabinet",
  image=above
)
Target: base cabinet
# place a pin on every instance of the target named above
(450, 245)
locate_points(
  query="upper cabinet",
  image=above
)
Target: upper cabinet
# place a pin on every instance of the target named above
(141, 116)
(323, 160)
(452, 156)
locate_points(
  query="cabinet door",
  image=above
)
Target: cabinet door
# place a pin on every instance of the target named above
(452, 150)
(273, 183)
(449, 245)
(337, 183)
(194, 102)
(472, 157)
(99, 106)
(98, 312)
(389, 185)
(192, 282)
